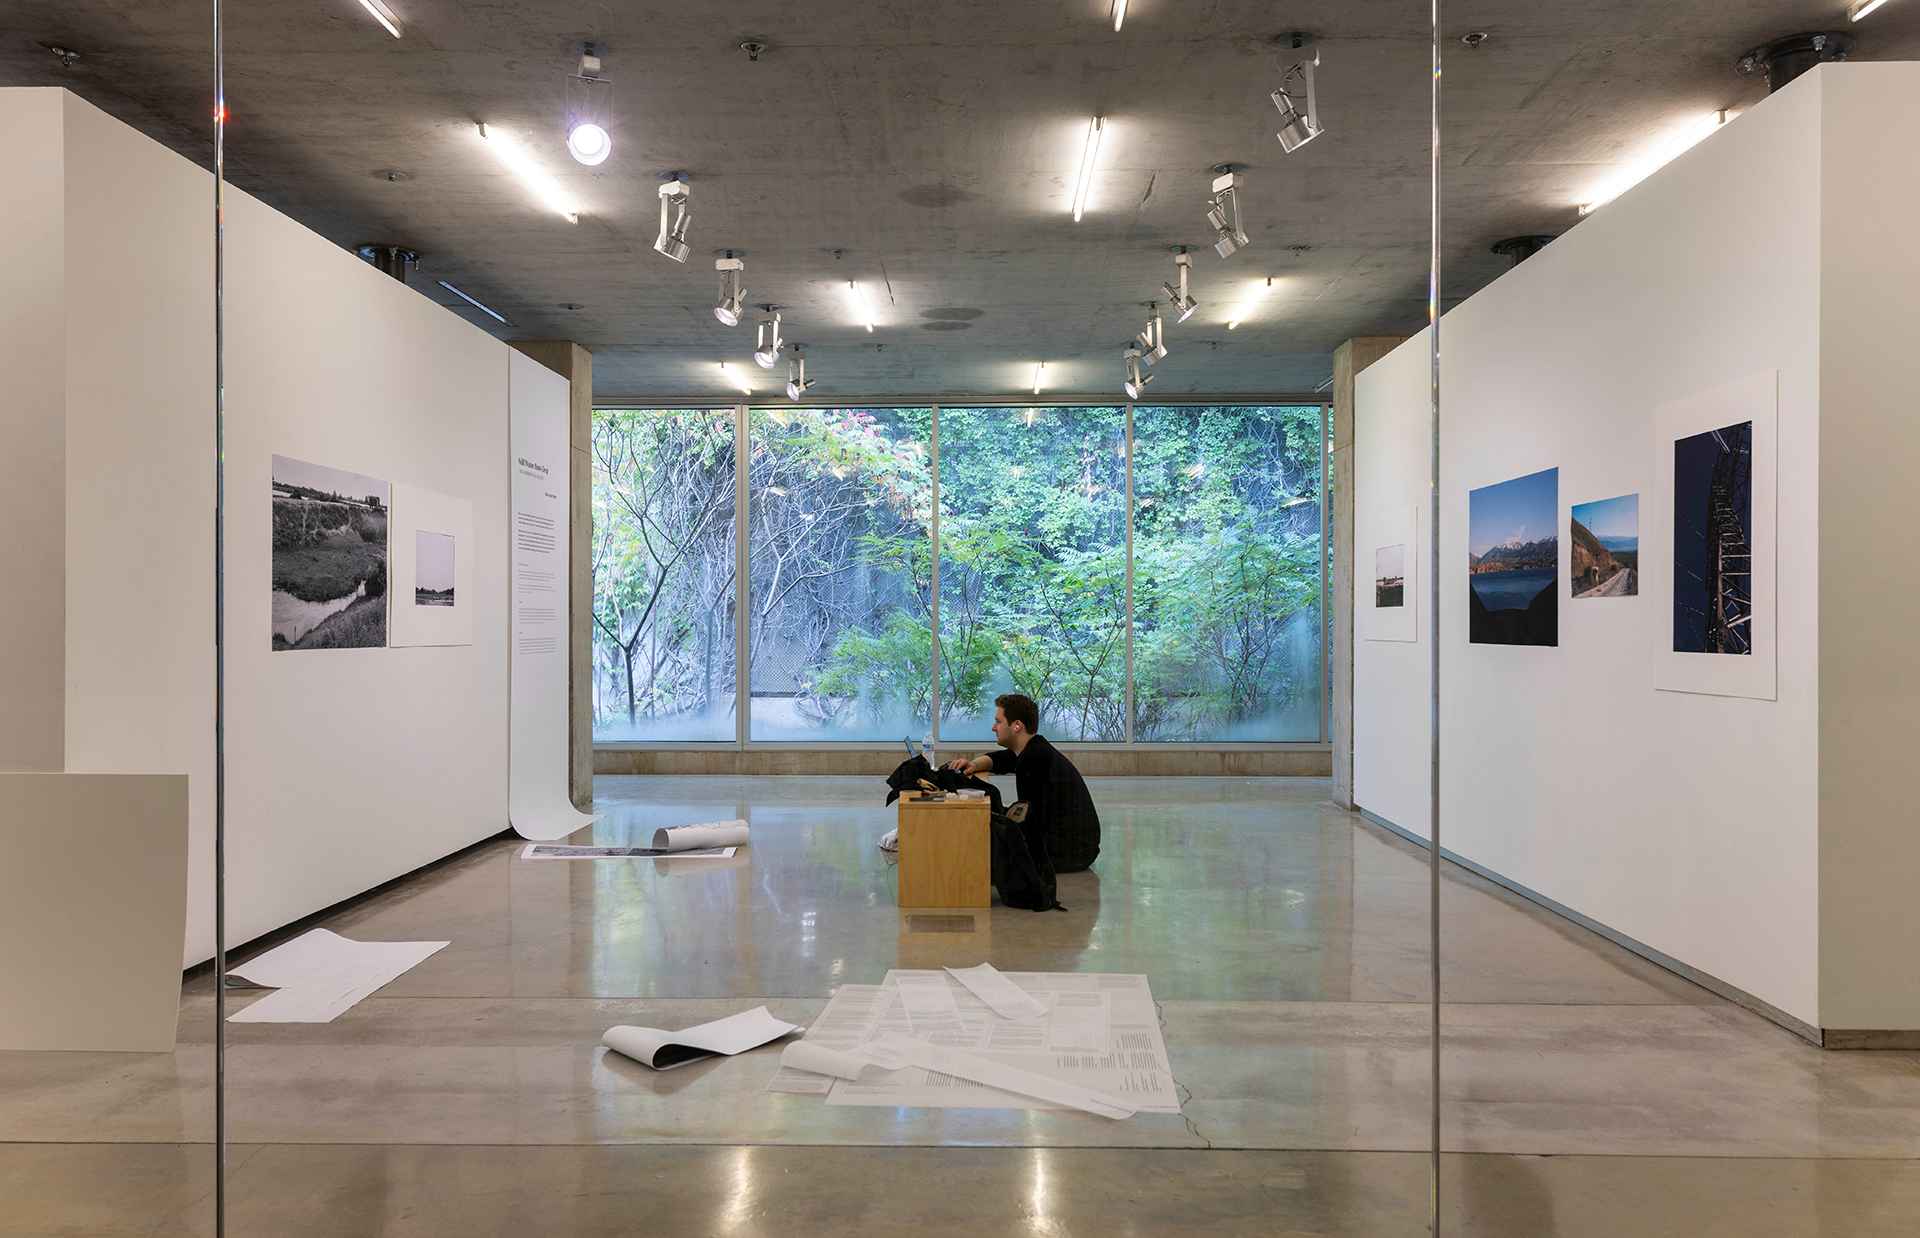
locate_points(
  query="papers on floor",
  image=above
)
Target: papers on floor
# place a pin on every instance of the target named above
(664, 1050)
(320, 975)
(707, 834)
(1095, 1045)
(551, 851)
(1007, 999)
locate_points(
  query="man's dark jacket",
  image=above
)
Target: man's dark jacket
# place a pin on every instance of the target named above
(1060, 812)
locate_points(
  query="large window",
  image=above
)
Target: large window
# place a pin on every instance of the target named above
(1148, 575)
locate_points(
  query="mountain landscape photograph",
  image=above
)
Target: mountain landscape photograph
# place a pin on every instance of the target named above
(1513, 561)
(1604, 548)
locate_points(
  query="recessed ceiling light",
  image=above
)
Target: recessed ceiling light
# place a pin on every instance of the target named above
(1119, 13)
(536, 178)
(1088, 154)
(383, 15)
(1862, 8)
(1685, 139)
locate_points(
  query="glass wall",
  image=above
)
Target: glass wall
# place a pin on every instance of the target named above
(1148, 575)
(840, 573)
(663, 574)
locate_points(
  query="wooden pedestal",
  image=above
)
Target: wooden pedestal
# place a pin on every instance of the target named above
(946, 853)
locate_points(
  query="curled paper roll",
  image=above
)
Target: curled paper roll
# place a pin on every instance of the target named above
(706, 834)
(805, 1055)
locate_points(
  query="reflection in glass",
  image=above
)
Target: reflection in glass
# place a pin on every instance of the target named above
(1033, 561)
(840, 605)
(663, 555)
(1227, 574)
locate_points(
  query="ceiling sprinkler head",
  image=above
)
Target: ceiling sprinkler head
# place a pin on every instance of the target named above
(753, 48)
(67, 55)
(1474, 38)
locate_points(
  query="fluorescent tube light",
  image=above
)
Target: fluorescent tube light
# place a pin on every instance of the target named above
(384, 15)
(733, 376)
(1120, 12)
(1634, 173)
(1039, 372)
(861, 312)
(536, 178)
(469, 300)
(1860, 9)
(1252, 302)
(1087, 156)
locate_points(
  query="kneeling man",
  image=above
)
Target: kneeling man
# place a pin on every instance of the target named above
(1060, 811)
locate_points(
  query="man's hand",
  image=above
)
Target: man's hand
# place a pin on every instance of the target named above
(961, 766)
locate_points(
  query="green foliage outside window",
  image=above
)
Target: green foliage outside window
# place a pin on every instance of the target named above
(1032, 569)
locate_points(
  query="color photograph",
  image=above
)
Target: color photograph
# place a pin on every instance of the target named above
(1713, 541)
(1390, 576)
(432, 568)
(329, 558)
(1604, 555)
(1513, 561)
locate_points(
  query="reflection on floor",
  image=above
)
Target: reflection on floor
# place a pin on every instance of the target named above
(1587, 1091)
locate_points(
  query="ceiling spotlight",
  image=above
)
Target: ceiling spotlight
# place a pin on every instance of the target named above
(1088, 153)
(1152, 346)
(1299, 118)
(766, 337)
(861, 312)
(735, 378)
(1223, 211)
(1183, 305)
(536, 178)
(589, 107)
(797, 380)
(1135, 383)
(1260, 291)
(732, 294)
(384, 15)
(1120, 12)
(673, 239)
(1039, 372)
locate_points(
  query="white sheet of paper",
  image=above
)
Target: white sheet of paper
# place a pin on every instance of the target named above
(991, 986)
(847, 1022)
(707, 834)
(1006, 1078)
(734, 1034)
(320, 975)
(1130, 1062)
(556, 851)
(869, 1061)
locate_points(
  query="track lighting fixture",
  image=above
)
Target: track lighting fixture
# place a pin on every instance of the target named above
(1135, 383)
(766, 338)
(797, 380)
(673, 239)
(589, 108)
(1299, 118)
(732, 294)
(1183, 305)
(1223, 211)
(1152, 346)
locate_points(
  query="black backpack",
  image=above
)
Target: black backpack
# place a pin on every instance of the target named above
(1021, 871)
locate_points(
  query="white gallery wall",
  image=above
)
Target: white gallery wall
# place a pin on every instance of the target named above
(1770, 844)
(345, 767)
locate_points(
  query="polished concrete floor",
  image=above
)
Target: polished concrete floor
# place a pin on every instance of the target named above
(1586, 1091)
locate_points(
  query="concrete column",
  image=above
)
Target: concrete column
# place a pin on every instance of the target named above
(575, 364)
(1348, 360)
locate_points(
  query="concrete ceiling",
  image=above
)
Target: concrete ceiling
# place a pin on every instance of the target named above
(936, 144)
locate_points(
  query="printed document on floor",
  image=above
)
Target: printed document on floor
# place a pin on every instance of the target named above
(558, 851)
(1099, 1032)
(320, 975)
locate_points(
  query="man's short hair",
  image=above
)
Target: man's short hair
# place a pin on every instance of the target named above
(1020, 709)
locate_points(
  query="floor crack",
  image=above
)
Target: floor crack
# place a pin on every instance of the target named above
(1182, 1093)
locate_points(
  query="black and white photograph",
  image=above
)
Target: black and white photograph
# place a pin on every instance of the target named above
(432, 568)
(329, 557)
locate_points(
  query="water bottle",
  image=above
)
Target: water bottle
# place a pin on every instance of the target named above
(926, 746)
